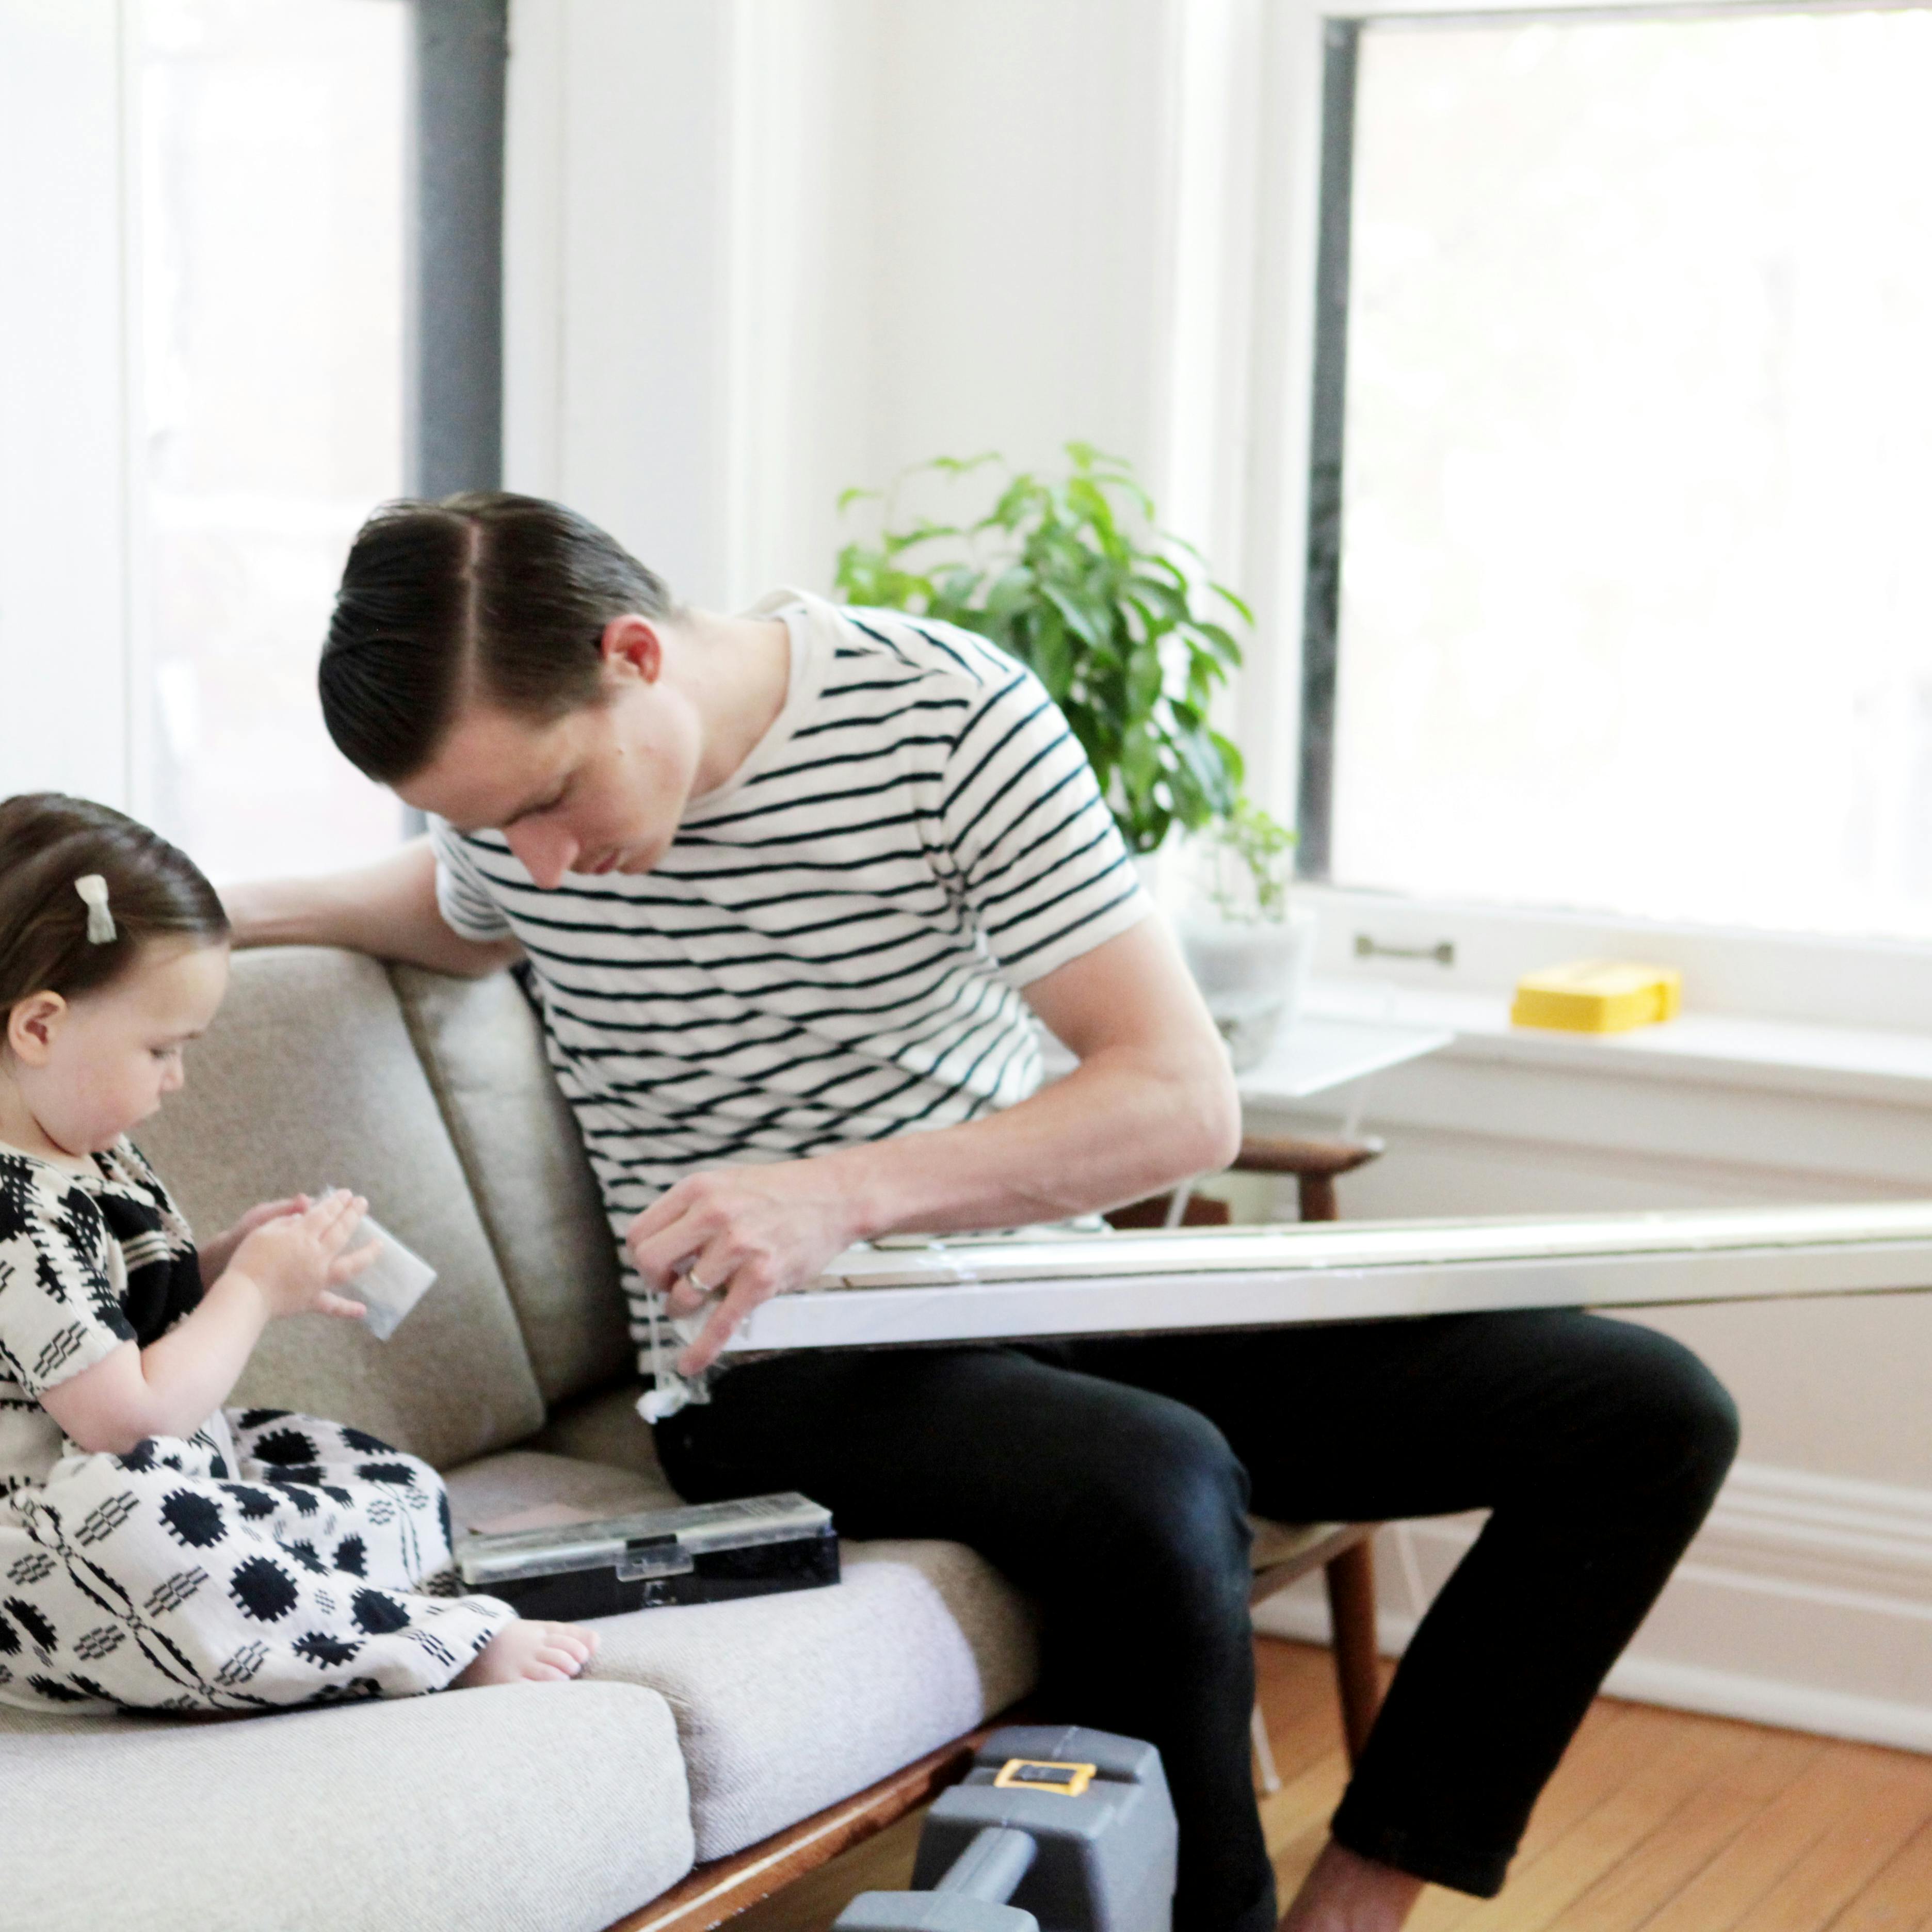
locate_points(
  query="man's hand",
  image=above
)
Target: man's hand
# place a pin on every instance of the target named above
(218, 1254)
(746, 1233)
(1151, 1102)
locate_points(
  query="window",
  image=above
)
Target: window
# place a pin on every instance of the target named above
(274, 196)
(254, 247)
(1620, 589)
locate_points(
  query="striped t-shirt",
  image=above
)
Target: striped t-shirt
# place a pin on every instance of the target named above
(831, 949)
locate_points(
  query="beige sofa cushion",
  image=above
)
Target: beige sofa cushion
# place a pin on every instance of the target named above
(531, 1808)
(521, 1479)
(606, 1428)
(787, 1703)
(482, 1048)
(307, 1079)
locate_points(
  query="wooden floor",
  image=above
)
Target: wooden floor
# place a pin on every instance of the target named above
(1655, 1819)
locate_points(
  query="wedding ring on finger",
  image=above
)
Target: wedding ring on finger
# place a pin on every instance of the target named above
(697, 1281)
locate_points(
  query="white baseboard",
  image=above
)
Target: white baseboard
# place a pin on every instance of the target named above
(1806, 1602)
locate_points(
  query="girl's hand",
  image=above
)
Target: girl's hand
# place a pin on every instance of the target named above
(218, 1256)
(298, 1261)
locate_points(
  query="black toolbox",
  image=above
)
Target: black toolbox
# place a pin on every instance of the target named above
(702, 1553)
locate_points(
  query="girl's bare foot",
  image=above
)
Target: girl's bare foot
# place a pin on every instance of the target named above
(527, 1652)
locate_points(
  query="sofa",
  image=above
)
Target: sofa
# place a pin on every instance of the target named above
(696, 1732)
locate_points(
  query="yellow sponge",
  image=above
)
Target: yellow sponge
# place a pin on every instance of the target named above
(1598, 996)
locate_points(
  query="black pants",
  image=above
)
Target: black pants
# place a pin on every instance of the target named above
(1111, 1480)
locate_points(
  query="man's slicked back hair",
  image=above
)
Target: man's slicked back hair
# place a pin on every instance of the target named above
(498, 597)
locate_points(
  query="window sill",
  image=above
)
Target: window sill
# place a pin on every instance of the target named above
(1707, 1049)
(1803, 988)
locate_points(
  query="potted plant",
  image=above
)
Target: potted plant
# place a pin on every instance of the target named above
(1249, 943)
(1121, 624)
(1071, 577)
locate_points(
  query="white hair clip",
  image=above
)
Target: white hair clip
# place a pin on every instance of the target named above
(93, 889)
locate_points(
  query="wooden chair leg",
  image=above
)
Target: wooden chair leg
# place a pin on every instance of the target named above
(1351, 1578)
(1317, 1192)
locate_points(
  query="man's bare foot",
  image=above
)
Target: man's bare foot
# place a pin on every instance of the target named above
(527, 1652)
(1346, 1892)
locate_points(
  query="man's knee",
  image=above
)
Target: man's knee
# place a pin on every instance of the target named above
(1170, 1509)
(1703, 1415)
(1669, 1414)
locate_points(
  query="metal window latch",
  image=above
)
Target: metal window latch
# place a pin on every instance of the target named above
(1443, 952)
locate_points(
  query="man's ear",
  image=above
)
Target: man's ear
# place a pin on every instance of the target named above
(632, 649)
(31, 1026)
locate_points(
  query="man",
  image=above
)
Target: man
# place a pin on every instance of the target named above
(792, 887)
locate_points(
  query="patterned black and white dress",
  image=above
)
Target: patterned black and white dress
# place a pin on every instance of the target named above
(267, 1560)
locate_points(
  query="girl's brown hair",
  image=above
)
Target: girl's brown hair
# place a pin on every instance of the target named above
(154, 891)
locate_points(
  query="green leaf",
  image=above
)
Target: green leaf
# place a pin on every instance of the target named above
(1210, 775)
(1012, 588)
(1089, 624)
(1145, 677)
(962, 466)
(1224, 646)
(1072, 575)
(1053, 654)
(954, 587)
(1236, 766)
(1234, 603)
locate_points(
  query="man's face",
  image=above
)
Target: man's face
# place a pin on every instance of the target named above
(600, 790)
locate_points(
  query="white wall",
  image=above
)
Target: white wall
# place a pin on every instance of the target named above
(850, 236)
(1018, 249)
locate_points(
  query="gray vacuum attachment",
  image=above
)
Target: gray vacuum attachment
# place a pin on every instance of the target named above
(1056, 1829)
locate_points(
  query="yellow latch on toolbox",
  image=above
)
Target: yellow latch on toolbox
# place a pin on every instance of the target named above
(1598, 996)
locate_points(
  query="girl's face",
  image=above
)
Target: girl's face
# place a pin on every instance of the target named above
(91, 1069)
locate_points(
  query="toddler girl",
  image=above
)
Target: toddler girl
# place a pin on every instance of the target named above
(157, 1550)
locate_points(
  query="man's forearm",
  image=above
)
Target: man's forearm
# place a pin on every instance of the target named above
(387, 910)
(1151, 1102)
(1115, 1129)
(1124, 1123)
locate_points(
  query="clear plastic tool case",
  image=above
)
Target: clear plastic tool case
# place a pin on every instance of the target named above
(702, 1554)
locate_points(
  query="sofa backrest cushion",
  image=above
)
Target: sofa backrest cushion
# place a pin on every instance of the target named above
(307, 1079)
(482, 1047)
